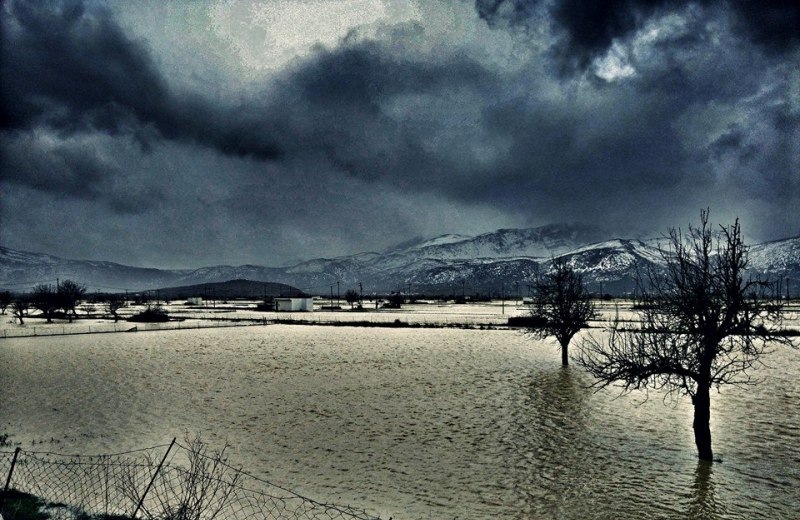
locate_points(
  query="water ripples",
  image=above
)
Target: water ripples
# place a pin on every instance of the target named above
(414, 423)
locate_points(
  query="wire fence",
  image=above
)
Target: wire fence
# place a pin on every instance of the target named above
(167, 482)
(77, 328)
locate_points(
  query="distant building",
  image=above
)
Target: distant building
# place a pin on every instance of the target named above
(294, 304)
(195, 300)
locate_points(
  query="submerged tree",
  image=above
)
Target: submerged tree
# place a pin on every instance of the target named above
(5, 300)
(351, 296)
(703, 324)
(20, 309)
(44, 298)
(113, 303)
(561, 306)
(69, 294)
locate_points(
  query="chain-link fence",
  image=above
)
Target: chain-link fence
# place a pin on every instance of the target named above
(169, 482)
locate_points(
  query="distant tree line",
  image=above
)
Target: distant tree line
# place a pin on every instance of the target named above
(50, 301)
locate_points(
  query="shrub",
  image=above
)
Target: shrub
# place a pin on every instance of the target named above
(152, 314)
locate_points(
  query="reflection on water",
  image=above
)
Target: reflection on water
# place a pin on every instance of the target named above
(703, 504)
(549, 437)
(412, 423)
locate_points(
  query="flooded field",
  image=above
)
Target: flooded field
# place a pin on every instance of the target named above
(412, 423)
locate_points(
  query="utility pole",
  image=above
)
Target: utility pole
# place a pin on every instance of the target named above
(361, 295)
(331, 300)
(337, 293)
(516, 302)
(503, 298)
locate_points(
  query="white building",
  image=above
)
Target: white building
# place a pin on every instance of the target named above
(195, 300)
(294, 304)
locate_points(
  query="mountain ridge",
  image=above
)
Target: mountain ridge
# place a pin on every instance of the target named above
(485, 263)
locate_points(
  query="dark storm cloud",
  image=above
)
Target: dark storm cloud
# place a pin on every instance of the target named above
(74, 171)
(774, 24)
(65, 66)
(358, 144)
(64, 171)
(69, 66)
(338, 105)
(588, 28)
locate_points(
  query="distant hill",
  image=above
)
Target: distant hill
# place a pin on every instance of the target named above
(231, 289)
(505, 260)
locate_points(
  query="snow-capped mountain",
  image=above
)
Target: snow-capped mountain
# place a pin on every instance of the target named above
(544, 241)
(776, 256)
(507, 259)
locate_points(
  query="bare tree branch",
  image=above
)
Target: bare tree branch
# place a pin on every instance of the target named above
(702, 324)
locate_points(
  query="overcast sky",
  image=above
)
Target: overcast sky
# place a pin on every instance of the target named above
(185, 134)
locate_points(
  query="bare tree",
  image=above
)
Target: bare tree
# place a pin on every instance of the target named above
(702, 325)
(113, 303)
(69, 294)
(561, 307)
(45, 300)
(5, 301)
(351, 296)
(20, 309)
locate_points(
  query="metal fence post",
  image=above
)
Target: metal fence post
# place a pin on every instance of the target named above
(152, 480)
(8, 480)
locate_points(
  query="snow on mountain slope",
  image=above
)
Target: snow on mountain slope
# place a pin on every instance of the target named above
(485, 263)
(431, 242)
(778, 255)
(544, 241)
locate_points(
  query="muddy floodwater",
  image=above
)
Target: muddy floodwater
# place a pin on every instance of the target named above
(412, 423)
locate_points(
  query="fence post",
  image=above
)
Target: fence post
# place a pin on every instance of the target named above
(8, 480)
(141, 501)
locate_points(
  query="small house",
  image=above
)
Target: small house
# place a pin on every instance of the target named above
(294, 304)
(195, 300)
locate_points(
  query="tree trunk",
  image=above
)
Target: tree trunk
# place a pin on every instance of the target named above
(702, 418)
(564, 353)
